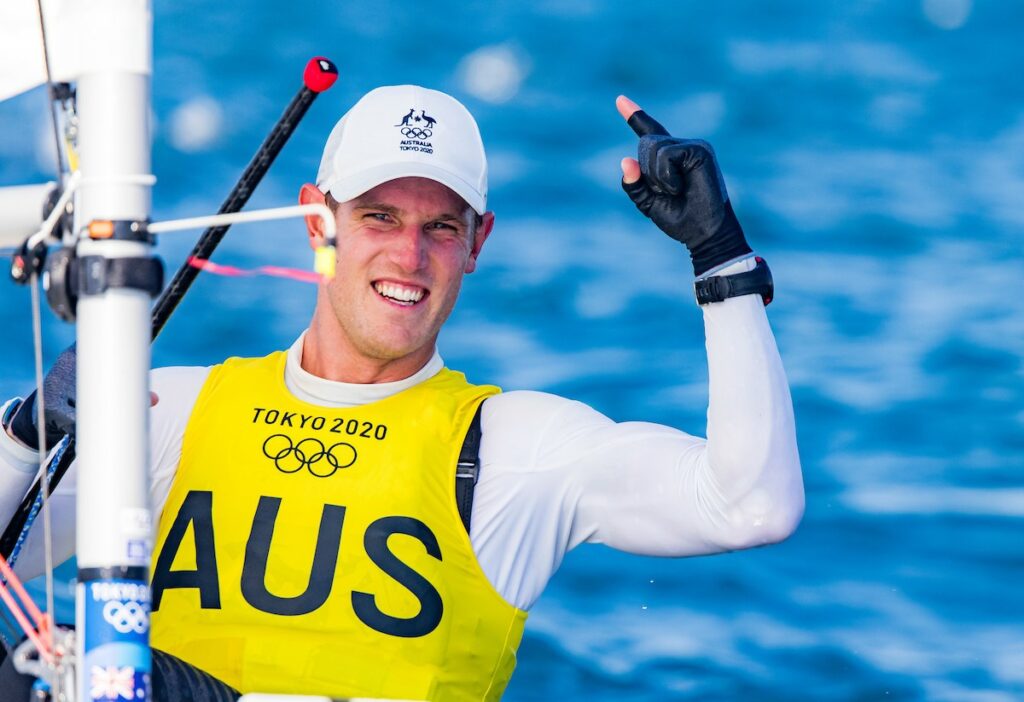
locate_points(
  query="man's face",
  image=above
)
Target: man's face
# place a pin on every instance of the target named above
(403, 248)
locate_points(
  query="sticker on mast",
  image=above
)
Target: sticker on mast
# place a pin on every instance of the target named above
(117, 659)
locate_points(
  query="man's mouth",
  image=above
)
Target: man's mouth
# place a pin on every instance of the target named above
(400, 294)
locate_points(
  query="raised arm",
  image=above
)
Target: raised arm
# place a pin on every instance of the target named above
(744, 487)
(557, 473)
(658, 491)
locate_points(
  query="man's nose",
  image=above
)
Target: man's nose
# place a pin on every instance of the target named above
(409, 248)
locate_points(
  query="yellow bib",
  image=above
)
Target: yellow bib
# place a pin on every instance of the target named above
(310, 550)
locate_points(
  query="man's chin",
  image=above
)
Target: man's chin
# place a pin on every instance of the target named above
(398, 349)
(393, 340)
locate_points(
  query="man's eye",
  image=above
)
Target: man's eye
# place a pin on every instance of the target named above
(442, 225)
(378, 216)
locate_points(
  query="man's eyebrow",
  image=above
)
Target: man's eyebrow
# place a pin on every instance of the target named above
(379, 206)
(391, 209)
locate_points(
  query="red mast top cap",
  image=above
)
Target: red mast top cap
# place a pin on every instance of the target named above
(320, 74)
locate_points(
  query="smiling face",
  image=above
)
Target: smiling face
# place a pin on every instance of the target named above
(403, 248)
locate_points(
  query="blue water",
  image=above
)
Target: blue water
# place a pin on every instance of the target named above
(875, 153)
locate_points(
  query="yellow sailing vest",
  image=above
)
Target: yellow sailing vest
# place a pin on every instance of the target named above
(310, 550)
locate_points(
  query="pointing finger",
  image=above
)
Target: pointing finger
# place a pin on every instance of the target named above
(625, 106)
(641, 122)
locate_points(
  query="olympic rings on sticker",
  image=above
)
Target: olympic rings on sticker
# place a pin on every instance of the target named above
(126, 616)
(309, 453)
(416, 133)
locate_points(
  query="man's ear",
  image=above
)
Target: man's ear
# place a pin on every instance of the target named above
(482, 232)
(309, 194)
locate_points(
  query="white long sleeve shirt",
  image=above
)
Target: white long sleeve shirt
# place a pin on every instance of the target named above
(555, 473)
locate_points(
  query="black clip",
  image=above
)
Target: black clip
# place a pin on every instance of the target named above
(28, 262)
(468, 469)
(121, 230)
(713, 289)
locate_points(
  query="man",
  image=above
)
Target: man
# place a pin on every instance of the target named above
(308, 535)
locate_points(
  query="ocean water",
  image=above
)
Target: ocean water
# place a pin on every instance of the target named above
(875, 155)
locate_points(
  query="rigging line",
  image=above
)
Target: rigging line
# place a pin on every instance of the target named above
(314, 84)
(27, 606)
(37, 342)
(53, 95)
(8, 631)
(55, 461)
(273, 271)
(31, 621)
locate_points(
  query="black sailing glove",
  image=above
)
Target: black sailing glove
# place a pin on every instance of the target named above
(58, 401)
(682, 190)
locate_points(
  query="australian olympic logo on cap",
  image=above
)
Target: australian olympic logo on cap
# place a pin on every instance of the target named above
(416, 126)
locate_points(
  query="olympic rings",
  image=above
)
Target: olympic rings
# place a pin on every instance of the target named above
(416, 133)
(309, 453)
(126, 616)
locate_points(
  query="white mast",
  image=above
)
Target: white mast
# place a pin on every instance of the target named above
(113, 278)
(114, 529)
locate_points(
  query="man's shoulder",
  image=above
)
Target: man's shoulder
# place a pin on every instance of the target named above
(534, 401)
(172, 374)
(198, 374)
(529, 415)
(183, 382)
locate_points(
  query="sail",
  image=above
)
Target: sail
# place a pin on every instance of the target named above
(69, 27)
(21, 44)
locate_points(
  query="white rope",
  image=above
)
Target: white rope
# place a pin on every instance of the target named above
(37, 339)
(126, 179)
(37, 342)
(50, 223)
(74, 183)
(315, 209)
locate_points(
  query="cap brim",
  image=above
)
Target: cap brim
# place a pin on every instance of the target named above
(355, 185)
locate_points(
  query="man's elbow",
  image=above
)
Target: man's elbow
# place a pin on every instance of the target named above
(783, 522)
(768, 511)
(762, 521)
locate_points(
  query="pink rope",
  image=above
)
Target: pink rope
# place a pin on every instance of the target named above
(18, 588)
(274, 271)
(41, 621)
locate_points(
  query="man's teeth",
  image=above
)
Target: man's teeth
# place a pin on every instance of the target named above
(399, 293)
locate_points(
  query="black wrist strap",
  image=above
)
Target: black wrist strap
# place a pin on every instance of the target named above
(19, 421)
(720, 287)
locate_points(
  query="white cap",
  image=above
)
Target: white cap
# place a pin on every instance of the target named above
(405, 130)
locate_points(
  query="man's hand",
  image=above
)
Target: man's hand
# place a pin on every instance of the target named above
(678, 185)
(58, 401)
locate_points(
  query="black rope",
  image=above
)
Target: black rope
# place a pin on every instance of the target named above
(52, 92)
(183, 279)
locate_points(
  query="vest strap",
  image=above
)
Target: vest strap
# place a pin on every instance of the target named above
(467, 470)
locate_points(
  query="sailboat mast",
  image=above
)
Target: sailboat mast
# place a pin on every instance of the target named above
(114, 524)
